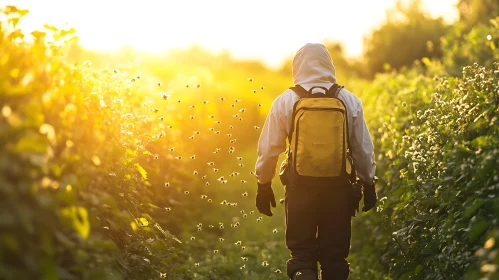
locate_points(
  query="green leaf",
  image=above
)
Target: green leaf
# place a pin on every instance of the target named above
(480, 142)
(50, 27)
(470, 211)
(131, 153)
(78, 219)
(479, 227)
(38, 34)
(142, 171)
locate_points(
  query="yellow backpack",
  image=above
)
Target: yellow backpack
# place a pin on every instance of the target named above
(318, 142)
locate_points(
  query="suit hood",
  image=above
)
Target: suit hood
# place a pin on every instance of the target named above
(313, 66)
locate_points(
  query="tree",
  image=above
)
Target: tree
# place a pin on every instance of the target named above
(472, 12)
(408, 34)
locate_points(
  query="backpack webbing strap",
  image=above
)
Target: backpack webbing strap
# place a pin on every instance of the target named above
(300, 91)
(334, 90)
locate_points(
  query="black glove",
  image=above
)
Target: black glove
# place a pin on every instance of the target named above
(354, 199)
(264, 198)
(370, 197)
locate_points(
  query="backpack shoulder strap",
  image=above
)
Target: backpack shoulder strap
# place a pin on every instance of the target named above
(334, 90)
(302, 93)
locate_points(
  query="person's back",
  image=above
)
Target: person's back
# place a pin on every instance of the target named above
(318, 212)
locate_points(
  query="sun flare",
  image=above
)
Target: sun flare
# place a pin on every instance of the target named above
(261, 30)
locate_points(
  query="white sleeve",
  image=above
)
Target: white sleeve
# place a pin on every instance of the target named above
(271, 144)
(362, 148)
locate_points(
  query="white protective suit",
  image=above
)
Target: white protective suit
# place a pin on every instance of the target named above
(312, 66)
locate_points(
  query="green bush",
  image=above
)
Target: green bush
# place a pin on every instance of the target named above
(437, 156)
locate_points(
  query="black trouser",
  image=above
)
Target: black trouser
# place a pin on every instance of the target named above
(318, 228)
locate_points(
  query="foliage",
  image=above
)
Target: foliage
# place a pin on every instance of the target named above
(473, 12)
(96, 161)
(407, 35)
(437, 151)
(104, 157)
(466, 46)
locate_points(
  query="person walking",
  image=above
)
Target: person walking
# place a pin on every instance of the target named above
(330, 150)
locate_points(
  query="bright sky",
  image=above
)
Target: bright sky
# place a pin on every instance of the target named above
(270, 30)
